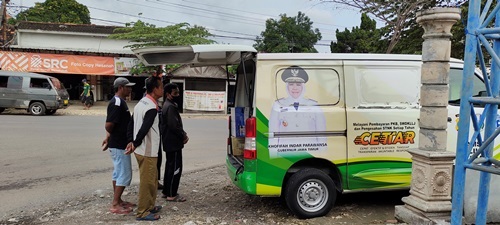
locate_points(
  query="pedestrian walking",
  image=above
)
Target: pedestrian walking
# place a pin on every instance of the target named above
(144, 136)
(117, 119)
(85, 95)
(173, 138)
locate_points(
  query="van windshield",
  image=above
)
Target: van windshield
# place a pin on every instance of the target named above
(57, 84)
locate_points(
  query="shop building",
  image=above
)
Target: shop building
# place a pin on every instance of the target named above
(72, 52)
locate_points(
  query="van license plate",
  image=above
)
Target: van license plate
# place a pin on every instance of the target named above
(65, 102)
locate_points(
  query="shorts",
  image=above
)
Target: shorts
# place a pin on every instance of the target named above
(86, 100)
(122, 172)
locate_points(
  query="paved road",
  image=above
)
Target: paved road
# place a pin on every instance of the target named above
(48, 159)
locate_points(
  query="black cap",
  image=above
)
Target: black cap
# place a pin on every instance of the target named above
(294, 74)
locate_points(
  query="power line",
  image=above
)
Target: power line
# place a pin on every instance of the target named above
(210, 11)
(270, 16)
(170, 22)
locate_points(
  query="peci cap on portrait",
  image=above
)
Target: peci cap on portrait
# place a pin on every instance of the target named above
(121, 81)
(294, 74)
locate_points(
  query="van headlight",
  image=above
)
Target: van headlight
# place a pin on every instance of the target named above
(58, 98)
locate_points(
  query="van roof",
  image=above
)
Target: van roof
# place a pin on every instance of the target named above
(343, 56)
(22, 74)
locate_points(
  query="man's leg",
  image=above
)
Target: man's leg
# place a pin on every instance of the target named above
(147, 185)
(122, 176)
(158, 167)
(173, 171)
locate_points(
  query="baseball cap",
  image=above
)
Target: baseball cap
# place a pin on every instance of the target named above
(84, 80)
(121, 81)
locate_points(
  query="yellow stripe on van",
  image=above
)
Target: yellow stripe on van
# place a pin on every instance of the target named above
(380, 159)
(263, 189)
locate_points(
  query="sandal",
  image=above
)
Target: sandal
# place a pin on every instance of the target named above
(177, 198)
(149, 217)
(121, 210)
(156, 209)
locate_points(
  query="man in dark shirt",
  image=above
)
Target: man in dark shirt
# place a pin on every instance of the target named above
(118, 117)
(173, 138)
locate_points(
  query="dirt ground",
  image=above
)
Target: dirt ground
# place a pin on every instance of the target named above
(213, 199)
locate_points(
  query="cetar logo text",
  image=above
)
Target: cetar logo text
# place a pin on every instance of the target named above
(385, 138)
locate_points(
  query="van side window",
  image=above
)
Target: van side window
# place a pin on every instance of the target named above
(39, 83)
(3, 81)
(15, 82)
(455, 84)
(388, 86)
(321, 86)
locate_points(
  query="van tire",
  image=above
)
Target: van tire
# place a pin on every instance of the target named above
(314, 184)
(50, 112)
(1, 110)
(37, 109)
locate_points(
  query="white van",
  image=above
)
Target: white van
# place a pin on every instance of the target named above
(321, 124)
(38, 94)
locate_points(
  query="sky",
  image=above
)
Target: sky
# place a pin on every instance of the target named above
(232, 21)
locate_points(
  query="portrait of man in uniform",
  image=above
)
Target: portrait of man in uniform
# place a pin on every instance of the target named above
(296, 122)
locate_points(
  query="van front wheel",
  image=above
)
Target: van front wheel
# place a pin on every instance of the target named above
(310, 193)
(37, 109)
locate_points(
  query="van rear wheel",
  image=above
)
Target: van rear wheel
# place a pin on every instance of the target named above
(310, 193)
(37, 109)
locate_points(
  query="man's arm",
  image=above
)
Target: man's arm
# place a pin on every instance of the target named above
(174, 124)
(105, 142)
(113, 116)
(147, 123)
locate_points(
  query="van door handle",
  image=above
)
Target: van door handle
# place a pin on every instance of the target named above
(449, 120)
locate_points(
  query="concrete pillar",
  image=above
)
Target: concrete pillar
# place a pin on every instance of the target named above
(430, 192)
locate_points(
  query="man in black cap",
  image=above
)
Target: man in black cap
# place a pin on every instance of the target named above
(295, 113)
(117, 119)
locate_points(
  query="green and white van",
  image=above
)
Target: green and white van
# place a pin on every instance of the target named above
(321, 124)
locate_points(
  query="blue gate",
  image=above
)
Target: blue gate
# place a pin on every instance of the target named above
(480, 33)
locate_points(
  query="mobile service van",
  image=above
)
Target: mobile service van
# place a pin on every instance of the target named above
(38, 94)
(316, 125)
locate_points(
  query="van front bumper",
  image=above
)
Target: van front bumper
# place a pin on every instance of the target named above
(244, 180)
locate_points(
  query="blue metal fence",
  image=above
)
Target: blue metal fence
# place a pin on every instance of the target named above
(480, 33)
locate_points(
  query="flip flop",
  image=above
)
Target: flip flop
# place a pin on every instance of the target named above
(149, 217)
(121, 211)
(177, 198)
(128, 204)
(156, 209)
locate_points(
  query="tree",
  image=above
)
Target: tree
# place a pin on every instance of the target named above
(143, 34)
(397, 15)
(288, 34)
(363, 39)
(55, 11)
